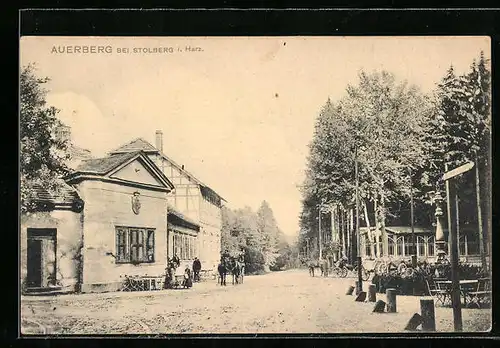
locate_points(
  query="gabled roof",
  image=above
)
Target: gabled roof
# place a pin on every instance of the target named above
(105, 167)
(140, 144)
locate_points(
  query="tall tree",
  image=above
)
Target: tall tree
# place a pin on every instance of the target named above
(380, 123)
(42, 154)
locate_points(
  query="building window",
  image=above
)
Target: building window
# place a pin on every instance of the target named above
(366, 242)
(399, 246)
(430, 246)
(472, 241)
(183, 246)
(390, 246)
(408, 242)
(461, 245)
(134, 245)
(421, 246)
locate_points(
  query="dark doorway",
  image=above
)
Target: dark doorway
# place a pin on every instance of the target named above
(41, 258)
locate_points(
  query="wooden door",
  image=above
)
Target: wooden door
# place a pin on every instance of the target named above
(34, 264)
(41, 258)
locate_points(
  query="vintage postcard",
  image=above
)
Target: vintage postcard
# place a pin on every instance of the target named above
(254, 185)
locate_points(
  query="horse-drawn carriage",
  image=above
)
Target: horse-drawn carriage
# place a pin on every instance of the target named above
(339, 269)
(231, 265)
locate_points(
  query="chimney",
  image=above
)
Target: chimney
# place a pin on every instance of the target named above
(63, 133)
(159, 140)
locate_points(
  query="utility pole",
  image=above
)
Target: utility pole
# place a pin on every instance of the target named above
(451, 191)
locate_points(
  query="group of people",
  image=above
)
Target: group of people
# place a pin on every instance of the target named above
(190, 275)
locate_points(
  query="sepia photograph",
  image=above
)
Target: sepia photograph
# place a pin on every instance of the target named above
(254, 185)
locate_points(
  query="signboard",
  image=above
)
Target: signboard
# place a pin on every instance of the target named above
(457, 171)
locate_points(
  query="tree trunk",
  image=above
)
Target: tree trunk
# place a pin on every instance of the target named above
(385, 239)
(348, 233)
(480, 218)
(354, 254)
(369, 232)
(377, 226)
(345, 242)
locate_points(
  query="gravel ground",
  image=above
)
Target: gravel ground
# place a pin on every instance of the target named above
(281, 302)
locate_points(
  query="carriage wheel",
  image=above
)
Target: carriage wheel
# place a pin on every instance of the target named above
(343, 272)
(383, 268)
(402, 268)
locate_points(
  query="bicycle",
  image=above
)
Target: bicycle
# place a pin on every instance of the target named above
(365, 274)
(340, 269)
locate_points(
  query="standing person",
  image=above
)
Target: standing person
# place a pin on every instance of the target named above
(311, 266)
(225, 256)
(196, 269)
(188, 282)
(176, 261)
(169, 274)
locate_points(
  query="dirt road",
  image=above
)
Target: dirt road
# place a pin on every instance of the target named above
(281, 302)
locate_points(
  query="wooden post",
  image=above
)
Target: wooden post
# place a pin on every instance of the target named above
(428, 316)
(391, 300)
(359, 287)
(453, 252)
(372, 293)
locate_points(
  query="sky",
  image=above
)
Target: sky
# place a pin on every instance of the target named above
(238, 112)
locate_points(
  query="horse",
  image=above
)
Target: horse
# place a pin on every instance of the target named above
(237, 271)
(312, 265)
(222, 269)
(324, 267)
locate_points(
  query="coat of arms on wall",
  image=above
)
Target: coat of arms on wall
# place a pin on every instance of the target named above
(136, 203)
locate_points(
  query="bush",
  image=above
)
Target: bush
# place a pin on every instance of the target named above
(254, 260)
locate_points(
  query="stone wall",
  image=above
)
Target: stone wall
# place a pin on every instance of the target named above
(68, 244)
(108, 205)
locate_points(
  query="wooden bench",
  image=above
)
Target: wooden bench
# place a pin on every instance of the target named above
(143, 283)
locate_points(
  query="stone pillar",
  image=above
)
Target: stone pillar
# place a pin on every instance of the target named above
(391, 300)
(428, 316)
(372, 293)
